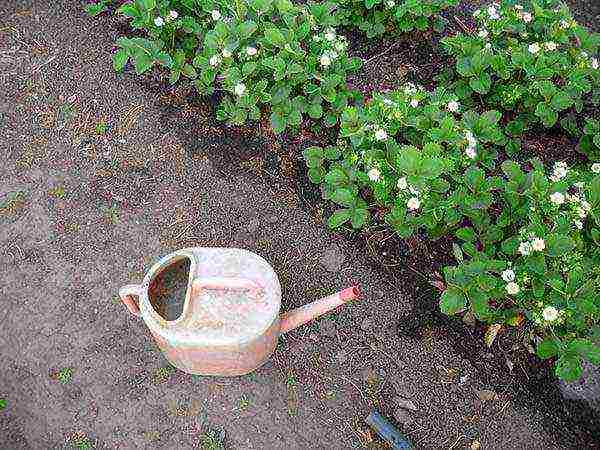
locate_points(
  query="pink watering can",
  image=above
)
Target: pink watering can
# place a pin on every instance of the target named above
(225, 318)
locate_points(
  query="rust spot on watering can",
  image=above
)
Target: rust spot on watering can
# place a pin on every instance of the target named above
(229, 322)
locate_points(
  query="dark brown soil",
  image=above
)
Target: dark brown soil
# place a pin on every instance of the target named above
(95, 210)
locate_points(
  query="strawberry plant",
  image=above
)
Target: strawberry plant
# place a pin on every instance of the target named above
(376, 17)
(531, 60)
(543, 265)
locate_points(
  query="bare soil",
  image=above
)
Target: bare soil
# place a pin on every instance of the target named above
(83, 212)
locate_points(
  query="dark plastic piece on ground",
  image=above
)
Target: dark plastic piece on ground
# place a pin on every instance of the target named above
(388, 432)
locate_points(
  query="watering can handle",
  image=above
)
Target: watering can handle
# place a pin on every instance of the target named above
(225, 283)
(130, 294)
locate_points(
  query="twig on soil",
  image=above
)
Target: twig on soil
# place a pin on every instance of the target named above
(44, 64)
(462, 25)
(357, 388)
(391, 47)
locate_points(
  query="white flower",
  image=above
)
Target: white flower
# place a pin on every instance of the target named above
(564, 24)
(471, 153)
(374, 174)
(534, 48)
(586, 206)
(390, 3)
(581, 213)
(251, 51)
(579, 185)
(413, 203)
(595, 64)
(525, 248)
(477, 13)
(538, 244)
(317, 38)
(527, 17)
(214, 60)
(550, 46)
(508, 275)
(413, 190)
(519, 7)
(596, 167)
(239, 89)
(560, 171)
(584, 55)
(578, 224)
(453, 106)
(488, 46)
(410, 88)
(483, 34)
(216, 15)
(330, 35)
(512, 288)
(557, 198)
(226, 53)
(325, 60)
(402, 183)
(414, 103)
(173, 14)
(493, 13)
(159, 22)
(381, 135)
(550, 313)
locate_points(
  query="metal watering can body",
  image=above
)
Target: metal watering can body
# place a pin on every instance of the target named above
(230, 322)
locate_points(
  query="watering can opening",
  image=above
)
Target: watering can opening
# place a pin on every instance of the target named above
(168, 288)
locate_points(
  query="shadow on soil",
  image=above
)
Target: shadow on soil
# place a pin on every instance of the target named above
(531, 383)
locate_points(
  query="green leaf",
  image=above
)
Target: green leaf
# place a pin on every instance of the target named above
(452, 301)
(343, 197)
(332, 153)
(246, 29)
(339, 217)
(547, 348)
(275, 37)
(559, 245)
(359, 218)
(466, 234)
(561, 101)
(96, 8)
(142, 62)
(479, 303)
(336, 176)
(316, 174)
(568, 367)
(120, 59)
(481, 84)
(586, 349)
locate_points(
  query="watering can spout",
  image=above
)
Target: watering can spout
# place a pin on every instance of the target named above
(306, 313)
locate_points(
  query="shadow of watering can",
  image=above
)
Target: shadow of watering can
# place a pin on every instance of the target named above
(229, 323)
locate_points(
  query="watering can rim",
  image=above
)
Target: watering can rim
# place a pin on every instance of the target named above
(167, 328)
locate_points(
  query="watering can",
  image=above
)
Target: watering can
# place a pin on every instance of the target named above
(229, 321)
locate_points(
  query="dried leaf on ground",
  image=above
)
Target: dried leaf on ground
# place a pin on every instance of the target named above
(486, 395)
(491, 333)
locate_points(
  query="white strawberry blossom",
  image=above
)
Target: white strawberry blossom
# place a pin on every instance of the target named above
(550, 313)
(550, 46)
(493, 13)
(527, 17)
(173, 14)
(251, 51)
(414, 103)
(512, 288)
(374, 174)
(159, 22)
(215, 14)
(534, 48)
(557, 198)
(402, 183)
(508, 275)
(381, 135)
(226, 53)
(453, 106)
(483, 34)
(538, 245)
(471, 152)
(330, 35)
(325, 61)
(596, 167)
(413, 203)
(594, 64)
(559, 172)
(214, 60)
(239, 89)
(525, 248)
(578, 224)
